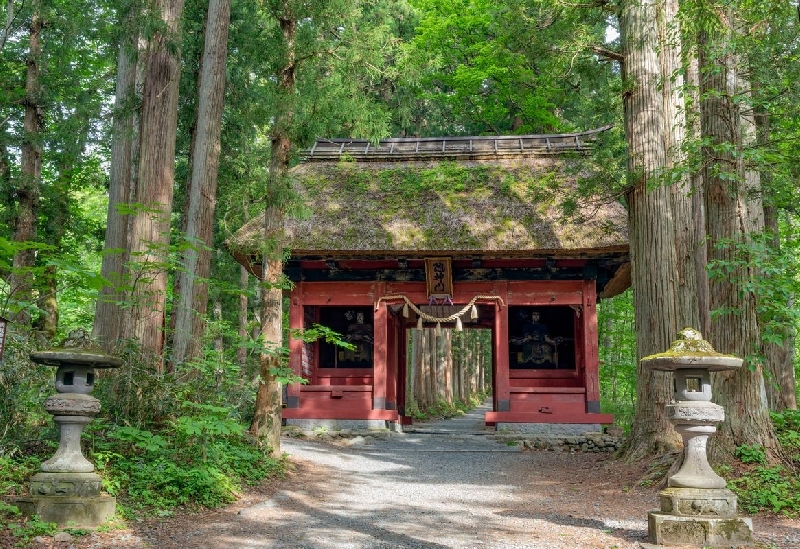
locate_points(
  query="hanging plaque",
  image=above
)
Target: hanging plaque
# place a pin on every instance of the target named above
(439, 275)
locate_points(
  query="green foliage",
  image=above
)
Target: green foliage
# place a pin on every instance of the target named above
(751, 454)
(28, 529)
(477, 67)
(617, 350)
(16, 471)
(442, 409)
(773, 282)
(765, 487)
(770, 488)
(201, 458)
(24, 386)
(318, 331)
(787, 429)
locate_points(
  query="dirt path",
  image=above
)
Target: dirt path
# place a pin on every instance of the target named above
(447, 486)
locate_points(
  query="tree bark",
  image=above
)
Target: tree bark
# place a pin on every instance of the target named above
(108, 320)
(781, 384)
(429, 359)
(193, 298)
(150, 225)
(27, 189)
(659, 211)
(731, 217)
(266, 423)
(266, 419)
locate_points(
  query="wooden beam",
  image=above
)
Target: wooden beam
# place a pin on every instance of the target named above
(391, 360)
(296, 274)
(500, 339)
(380, 352)
(590, 351)
(295, 345)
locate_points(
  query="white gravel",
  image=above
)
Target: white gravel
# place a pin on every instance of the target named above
(448, 486)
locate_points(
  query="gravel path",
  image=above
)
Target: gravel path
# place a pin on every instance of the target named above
(447, 484)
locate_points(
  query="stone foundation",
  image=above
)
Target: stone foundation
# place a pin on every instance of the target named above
(322, 425)
(549, 429)
(71, 510)
(671, 530)
(65, 484)
(697, 516)
(590, 442)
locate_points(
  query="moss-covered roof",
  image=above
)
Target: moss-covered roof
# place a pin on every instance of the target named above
(502, 206)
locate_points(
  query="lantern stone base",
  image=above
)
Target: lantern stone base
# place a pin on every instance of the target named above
(86, 512)
(68, 498)
(65, 484)
(700, 517)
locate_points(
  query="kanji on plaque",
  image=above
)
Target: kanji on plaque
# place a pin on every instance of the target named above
(439, 276)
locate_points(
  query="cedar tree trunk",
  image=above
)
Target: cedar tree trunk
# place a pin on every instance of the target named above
(193, 288)
(661, 234)
(108, 320)
(733, 212)
(150, 225)
(266, 424)
(27, 189)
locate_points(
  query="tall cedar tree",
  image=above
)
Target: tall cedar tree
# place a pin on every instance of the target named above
(266, 423)
(192, 282)
(150, 225)
(28, 190)
(734, 213)
(108, 320)
(659, 212)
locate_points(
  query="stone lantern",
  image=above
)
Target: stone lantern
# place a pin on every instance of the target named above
(67, 490)
(696, 508)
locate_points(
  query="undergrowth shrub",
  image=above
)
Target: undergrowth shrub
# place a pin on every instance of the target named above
(768, 488)
(443, 409)
(787, 428)
(765, 487)
(160, 441)
(203, 458)
(24, 386)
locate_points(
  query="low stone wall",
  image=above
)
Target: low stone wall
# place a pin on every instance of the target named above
(589, 442)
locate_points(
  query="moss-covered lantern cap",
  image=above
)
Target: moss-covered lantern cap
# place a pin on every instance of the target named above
(93, 358)
(690, 351)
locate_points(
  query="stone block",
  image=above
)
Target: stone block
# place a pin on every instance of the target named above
(311, 425)
(671, 530)
(86, 512)
(694, 502)
(695, 413)
(65, 484)
(552, 429)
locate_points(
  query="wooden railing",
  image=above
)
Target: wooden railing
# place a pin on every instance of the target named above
(414, 147)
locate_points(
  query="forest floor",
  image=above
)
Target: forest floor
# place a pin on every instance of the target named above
(442, 487)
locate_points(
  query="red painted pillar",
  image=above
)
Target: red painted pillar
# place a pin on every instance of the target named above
(391, 361)
(501, 373)
(295, 345)
(590, 353)
(380, 371)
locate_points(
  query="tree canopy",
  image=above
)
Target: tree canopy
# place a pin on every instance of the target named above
(110, 131)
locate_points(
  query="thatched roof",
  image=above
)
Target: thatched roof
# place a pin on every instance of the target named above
(523, 205)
